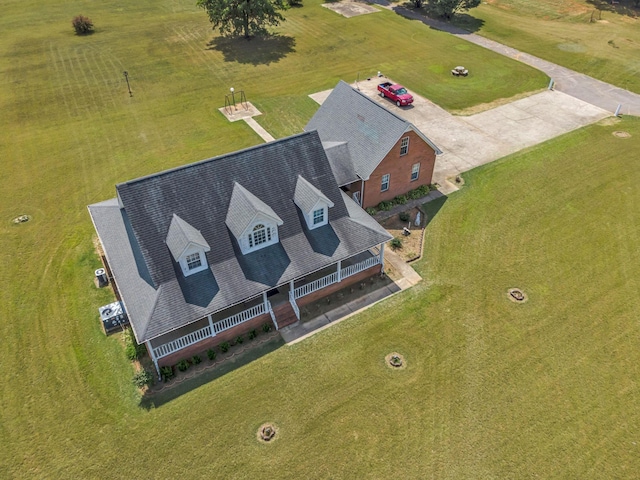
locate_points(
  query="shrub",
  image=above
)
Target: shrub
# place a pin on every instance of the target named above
(404, 216)
(196, 359)
(401, 200)
(211, 353)
(82, 25)
(433, 186)
(239, 339)
(385, 205)
(371, 211)
(183, 365)
(142, 378)
(396, 243)
(253, 334)
(167, 373)
(414, 194)
(132, 349)
(266, 328)
(224, 346)
(131, 352)
(423, 190)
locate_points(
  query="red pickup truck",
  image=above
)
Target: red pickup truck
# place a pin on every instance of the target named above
(396, 92)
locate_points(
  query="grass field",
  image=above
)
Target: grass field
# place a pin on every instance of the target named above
(492, 389)
(562, 32)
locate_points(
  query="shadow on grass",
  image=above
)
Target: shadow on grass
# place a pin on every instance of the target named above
(432, 208)
(256, 51)
(630, 8)
(158, 399)
(460, 23)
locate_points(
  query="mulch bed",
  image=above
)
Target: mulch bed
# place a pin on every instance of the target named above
(411, 244)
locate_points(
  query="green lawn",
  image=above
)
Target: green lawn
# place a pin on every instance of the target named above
(492, 389)
(562, 32)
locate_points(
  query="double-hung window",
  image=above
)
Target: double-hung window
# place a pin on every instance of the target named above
(384, 186)
(404, 146)
(318, 216)
(415, 171)
(193, 261)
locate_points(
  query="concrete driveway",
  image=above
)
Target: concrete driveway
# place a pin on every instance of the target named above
(470, 141)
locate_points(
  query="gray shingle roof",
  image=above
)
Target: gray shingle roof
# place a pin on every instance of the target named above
(243, 208)
(306, 196)
(341, 163)
(181, 235)
(368, 128)
(157, 296)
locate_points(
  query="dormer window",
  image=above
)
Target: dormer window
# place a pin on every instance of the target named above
(318, 216)
(260, 235)
(187, 246)
(313, 204)
(252, 222)
(193, 261)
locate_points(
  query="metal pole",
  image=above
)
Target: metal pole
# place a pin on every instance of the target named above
(618, 109)
(551, 84)
(233, 96)
(126, 77)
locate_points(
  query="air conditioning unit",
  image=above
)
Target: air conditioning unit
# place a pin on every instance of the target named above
(101, 277)
(113, 317)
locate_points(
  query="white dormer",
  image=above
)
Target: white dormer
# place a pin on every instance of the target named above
(313, 204)
(187, 246)
(252, 222)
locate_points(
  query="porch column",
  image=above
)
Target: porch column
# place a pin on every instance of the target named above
(361, 193)
(382, 257)
(291, 284)
(339, 273)
(210, 318)
(153, 357)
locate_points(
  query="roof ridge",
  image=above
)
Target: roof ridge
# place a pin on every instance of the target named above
(216, 158)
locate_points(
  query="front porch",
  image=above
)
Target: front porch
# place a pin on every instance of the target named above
(240, 319)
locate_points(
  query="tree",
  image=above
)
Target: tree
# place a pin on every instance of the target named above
(447, 8)
(244, 17)
(82, 25)
(417, 3)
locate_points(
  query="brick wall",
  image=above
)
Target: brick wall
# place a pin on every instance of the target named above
(399, 167)
(207, 343)
(357, 278)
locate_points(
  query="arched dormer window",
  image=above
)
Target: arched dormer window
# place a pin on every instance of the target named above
(252, 222)
(259, 235)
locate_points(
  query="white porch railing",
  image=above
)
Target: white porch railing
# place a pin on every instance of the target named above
(205, 332)
(359, 267)
(273, 315)
(294, 305)
(333, 278)
(315, 285)
(238, 318)
(182, 342)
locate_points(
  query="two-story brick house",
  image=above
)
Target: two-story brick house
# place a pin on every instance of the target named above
(375, 154)
(208, 251)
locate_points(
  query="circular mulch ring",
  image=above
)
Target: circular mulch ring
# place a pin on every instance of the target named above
(267, 433)
(395, 361)
(621, 134)
(21, 219)
(517, 296)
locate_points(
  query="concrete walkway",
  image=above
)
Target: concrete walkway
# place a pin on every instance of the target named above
(408, 278)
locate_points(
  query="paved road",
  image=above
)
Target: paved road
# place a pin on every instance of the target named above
(578, 85)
